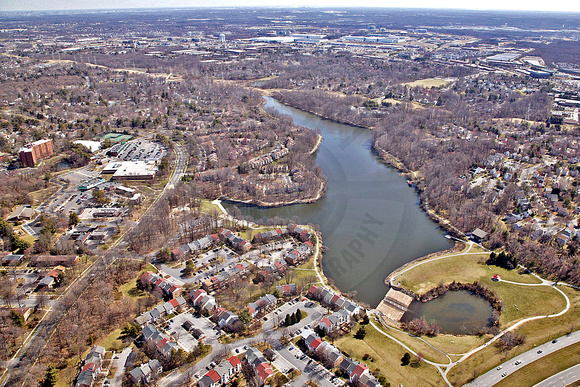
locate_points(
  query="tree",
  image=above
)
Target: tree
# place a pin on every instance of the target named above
(360, 333)
(17, 318)
(406, 359)
(245, 316)
(288, 320)
(50, 377)
(73, 219)
(131, 331)
(164, 254)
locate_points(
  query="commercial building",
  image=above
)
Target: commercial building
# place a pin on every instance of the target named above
(32, 153)
(131, 170)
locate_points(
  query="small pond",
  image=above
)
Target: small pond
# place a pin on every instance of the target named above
(456, 312)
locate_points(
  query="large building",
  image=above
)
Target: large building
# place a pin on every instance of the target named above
(33, 152)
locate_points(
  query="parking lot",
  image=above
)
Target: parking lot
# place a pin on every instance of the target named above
(186, 339)
(142, 150)
(211, 260)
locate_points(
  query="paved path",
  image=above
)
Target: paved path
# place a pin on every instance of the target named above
(495, 375)
(563, 378)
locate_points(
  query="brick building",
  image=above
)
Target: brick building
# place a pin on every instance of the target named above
(30, 154)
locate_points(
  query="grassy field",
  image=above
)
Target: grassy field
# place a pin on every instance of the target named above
(41, 195)
(536, 333)
(112, 341)
(463, 268)
(428, 83)
(545, 367)
(208, 207)
(519, 301)
(129, 289)
(387, 356)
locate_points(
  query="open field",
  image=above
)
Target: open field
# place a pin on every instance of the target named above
(387, 358)
(459, 267)
(543, 368)
(428, 83)
(112, 341)
(519, 301)
(41, 195)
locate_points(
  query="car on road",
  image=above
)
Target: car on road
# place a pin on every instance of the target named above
(518, 362)
(540, 351)
(554, 341)
(499, 368)
(504, 375)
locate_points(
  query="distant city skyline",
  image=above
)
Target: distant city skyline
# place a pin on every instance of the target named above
(521, 5)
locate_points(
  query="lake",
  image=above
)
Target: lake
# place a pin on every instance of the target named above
(370, 218)
(456, 312)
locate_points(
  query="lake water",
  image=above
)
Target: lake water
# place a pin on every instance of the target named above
(456, 312)
(370, 218)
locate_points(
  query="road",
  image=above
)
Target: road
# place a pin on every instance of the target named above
(495, 375)
(563, 378)
(28, 355)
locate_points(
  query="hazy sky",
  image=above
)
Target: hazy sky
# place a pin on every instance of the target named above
(531, 5)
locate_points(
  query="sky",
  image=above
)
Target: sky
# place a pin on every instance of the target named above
(525, 5)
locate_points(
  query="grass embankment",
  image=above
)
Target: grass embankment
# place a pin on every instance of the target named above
(543, 368)
(386, 355)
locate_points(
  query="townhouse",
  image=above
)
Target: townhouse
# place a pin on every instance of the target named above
(160, 311)
(222, 373)
(91, 367)
(263, 304)
(256, 360)
(162, 342)
(145, 372)
(168, 288)
(235, 241)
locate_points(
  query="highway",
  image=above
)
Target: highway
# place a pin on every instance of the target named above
(494, 376)
(562, 379)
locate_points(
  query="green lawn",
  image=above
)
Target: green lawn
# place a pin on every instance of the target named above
(129, 289)
(519, 301)
(208, 207)
(387, 358)
(536, 332)
(457, 267)
(543, 368)
(112, 341)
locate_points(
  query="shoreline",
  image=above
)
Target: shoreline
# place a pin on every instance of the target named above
(261, 203)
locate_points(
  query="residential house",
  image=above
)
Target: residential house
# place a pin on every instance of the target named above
(258, 362)
(91, 367)
(145, 372)
(299, 232)
(235, 241)
(264, 303)
(287, 290)
(54, 260)
(222, 373)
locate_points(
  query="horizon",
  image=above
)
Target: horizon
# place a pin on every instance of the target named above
(145, 5)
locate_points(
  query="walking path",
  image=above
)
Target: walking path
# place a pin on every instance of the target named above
(444, 368)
